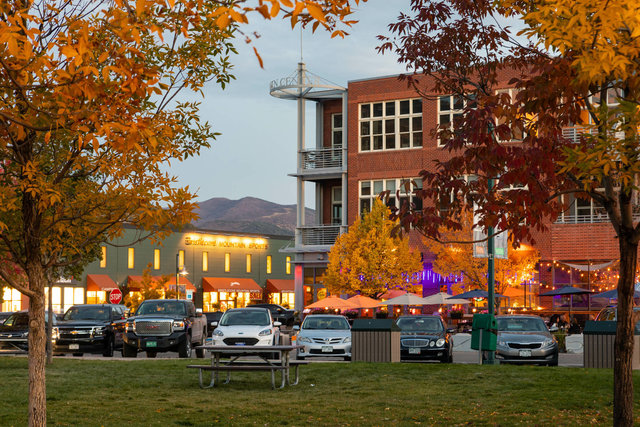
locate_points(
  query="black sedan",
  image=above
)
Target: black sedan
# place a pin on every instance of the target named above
(424, 338)
(14, 332)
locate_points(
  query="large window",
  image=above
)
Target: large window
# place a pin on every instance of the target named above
(268, 264)
(131, 255)
(370, 190)
(205, 261)
(227, 262)
(12, 299)
(336, 130)
(287, 266)
(248, 263)
(450, 112)
(336, 205)
(156, 259)
(391, 125)
(181, 259)
(103, 257)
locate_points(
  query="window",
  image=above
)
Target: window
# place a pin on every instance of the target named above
(248, 263)
(516, 134)
(268, 264)
(103, 257)
(336, 205)
(391, 125)
(370, 190)
(288, 265)
(336, 130)
(156, 259)
(180, 260)
(227, 262)
(12, 299)
(130, 258)
(450, 112)
(205, 261)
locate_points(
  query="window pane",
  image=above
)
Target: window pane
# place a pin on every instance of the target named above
(365, 144)
(337, 194)
(444, 119)
(364, 128)
(389, 126)
(365, 188)
(404, 140)
(337, 137)
(365, 111)
(417, 139)
(377, 187)
(417, 184)
(458, 103)
(377, 127)
(377, 109)
(390, 141)
(377, 142)
(418, 202)
(392, 200)
(365, 205)
(391, 185)
(404, 107)
(390, 108)
(457, 120)
(445, 103)
(416, 123)
(417, 106)
(337, 120)
(404, 125)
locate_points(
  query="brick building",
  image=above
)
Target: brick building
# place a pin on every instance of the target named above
(372, 136)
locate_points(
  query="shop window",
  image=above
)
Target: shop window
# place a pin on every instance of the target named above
(11, 299)
(288, 265)
(248, 263)
(205, 261)
(103, 257)
(181, 259)
(156, 259)
(227, 262)
(268, 264)
(130, 258)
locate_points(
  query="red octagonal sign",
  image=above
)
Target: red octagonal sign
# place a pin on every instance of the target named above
(115, 296)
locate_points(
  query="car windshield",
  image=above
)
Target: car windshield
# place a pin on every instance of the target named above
(87, 313)
(17, 320)
(245, 317)
(319, 322)
(162, 307)
(420, 324)
(521, 325)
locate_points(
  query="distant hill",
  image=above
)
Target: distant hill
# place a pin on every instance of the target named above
(249, 215)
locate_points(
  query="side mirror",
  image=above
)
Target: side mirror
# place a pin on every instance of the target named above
(553, 329)
(198, 311)
(451, 330)
(277, 324)
(214, 324)
(296, 327)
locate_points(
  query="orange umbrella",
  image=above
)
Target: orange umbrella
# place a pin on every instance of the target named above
(392, 293)
(333, 302)
(362, 301)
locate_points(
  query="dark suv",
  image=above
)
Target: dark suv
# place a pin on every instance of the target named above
(279, 313)
(90, 328)
(14, 332)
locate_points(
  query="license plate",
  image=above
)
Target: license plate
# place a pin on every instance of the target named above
(524, 353)
(74, 346)
(151, 344)
(414, 351)
(327, 349)
(240, 343)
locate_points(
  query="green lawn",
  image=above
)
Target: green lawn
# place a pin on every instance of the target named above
(165, 393)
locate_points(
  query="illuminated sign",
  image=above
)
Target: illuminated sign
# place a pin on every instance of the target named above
(225, 241)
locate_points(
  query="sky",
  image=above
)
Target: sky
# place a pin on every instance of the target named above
(257, 148)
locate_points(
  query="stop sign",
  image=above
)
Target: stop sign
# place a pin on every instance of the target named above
(115, 296)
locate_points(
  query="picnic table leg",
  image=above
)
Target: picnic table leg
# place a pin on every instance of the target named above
(211, 383)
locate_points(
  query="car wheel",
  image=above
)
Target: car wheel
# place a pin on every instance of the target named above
(300, 357)
(151, 354)
(200, 353)
(347, 358)
(129, 351)
(110, 347)
(184, 351)
(78, 354)
(554, 362)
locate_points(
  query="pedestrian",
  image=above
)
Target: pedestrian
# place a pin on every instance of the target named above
(575, 327)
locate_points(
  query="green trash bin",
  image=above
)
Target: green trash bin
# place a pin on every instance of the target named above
(484, 324)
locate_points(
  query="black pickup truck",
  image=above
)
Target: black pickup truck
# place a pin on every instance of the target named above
(90, 328)
(165, 325)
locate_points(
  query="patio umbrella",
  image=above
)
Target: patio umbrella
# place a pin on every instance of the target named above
(444, 298)
(476, 293)
(405, 299)
(613, 294)
(567, 290)
(333, 302)
(392, 293)
(362, 301)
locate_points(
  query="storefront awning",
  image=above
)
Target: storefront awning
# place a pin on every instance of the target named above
(134, 282)
(280, 285)
(100, 282)
(229, 284)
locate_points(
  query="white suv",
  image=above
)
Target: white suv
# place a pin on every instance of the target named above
(246, 326)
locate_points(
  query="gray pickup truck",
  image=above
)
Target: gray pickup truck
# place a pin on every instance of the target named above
(165, 325)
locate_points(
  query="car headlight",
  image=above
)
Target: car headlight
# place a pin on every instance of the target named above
(130, 326)
(218, 333)
(178, 325)
(432, 343)
(264, 333)
(25, 334)
(346, 340)
(98, 331)
(501, 342)
(548, 342)
(304, 339)
(55, 333)
(440, 342)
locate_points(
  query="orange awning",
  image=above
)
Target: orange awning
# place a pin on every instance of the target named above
(513, 292)
(280, 285)
(100, 282)
(134, 282)
(229, 284)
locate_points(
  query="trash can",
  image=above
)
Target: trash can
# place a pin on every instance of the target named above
(484, 325)
(375, 340)
(598, 345)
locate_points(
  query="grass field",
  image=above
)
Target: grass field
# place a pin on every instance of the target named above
(165, 393)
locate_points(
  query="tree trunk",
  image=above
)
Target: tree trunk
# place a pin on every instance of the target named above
(623, 353)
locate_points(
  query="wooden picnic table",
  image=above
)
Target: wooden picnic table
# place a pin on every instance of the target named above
(249, 359)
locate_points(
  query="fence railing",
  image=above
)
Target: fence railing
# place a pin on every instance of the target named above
(322, 158)
(319, 235)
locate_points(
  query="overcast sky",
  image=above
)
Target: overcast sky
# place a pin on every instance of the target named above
(257, 148)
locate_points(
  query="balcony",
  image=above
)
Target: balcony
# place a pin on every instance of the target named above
(319, 235)
(573, 133)
(323, 162)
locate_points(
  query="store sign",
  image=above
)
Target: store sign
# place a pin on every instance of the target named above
(225, 241)
(115, 296)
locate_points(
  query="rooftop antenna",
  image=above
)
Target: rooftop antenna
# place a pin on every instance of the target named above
(301, 58)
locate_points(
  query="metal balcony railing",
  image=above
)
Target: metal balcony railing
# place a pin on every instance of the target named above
(573, 133)
(319, 235)
(596, 217)
(322, 158)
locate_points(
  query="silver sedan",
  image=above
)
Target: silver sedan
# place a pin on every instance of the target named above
(324, 335)
(525, 339)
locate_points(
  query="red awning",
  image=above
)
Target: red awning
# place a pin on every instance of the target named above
(280, 285)
(134, 282)
(100, 282)
(229, 284)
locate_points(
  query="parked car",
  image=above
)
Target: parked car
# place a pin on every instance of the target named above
(4, 315)
(610, 313)
(525, 339)
(163, 325)
(279, 313)
(90, 328)
(324, 335)
(14, 332)
(247, 326)
(212, 316)
(424, 338)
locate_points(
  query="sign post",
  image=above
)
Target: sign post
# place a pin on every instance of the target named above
(115, 296)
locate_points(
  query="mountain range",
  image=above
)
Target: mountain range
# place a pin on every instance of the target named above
(249, 215)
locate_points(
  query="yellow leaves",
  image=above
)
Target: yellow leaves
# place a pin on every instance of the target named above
(316, 12)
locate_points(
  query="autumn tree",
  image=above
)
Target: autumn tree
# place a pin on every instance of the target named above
(148, 287)
(369, 260)
(91, 120)
(453, 256)
(577, 65)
